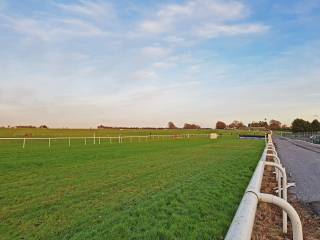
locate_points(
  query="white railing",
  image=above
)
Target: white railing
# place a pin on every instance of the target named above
(110, 139)
(243, 221)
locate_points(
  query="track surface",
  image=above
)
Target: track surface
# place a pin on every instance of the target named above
(302, 163)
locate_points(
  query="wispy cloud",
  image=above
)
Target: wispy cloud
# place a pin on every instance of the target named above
(155, 26)
(94, 9)
(78, 19)
(200, 19)
(163, 65)
(196, 11)
(145, 75)
(154, 51)
(53, 28)
(214, 30)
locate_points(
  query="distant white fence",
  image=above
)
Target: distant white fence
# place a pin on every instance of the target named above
(110, 139)
(242, 224)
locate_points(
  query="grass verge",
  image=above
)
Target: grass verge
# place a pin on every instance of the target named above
(178, 189)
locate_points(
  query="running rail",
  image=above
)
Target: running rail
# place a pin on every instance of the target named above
(243, 221)
(118, 138)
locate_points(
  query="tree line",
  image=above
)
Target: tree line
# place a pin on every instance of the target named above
(171, 125)
(298, 125)
(301, 125)
(26, 126)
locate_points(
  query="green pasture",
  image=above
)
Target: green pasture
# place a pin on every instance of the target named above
(173, 189)
(65, 132)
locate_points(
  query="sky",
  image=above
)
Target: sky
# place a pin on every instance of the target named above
(81, 63)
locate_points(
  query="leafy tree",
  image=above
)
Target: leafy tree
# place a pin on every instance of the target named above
(236, 124)
(220, 125)
(258, 124)
(191, 126)
(315, 125)
(171, 125)
(300, 125)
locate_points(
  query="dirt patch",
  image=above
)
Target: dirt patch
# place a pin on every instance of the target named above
(268, 221)
(310, 221)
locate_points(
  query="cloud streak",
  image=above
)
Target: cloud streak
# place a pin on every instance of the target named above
(214, 30)
(93, 9)
(204, 18)
(53, 29)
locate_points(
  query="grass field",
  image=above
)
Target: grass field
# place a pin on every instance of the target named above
(175, 189)
(40, 132)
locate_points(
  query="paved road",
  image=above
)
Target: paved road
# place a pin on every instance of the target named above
(302, 163)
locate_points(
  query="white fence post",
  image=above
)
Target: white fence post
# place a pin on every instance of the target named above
(282, 189)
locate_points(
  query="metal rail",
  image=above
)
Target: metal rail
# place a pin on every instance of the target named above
(284, 191)
(297, 232)
(243, 221)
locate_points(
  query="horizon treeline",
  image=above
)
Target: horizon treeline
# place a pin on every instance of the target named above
(298, 125)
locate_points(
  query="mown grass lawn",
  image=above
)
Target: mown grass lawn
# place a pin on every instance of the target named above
(177, 189)
(66, 132)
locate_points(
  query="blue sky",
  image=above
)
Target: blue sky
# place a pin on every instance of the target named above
(144, 63)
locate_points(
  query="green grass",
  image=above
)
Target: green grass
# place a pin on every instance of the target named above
(177, 189)
(40, 132)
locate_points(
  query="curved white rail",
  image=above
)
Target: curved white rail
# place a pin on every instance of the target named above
(293, 215)
(243, 221)
(284, 191)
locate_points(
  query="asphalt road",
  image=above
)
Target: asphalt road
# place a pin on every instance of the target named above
(302, 163)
